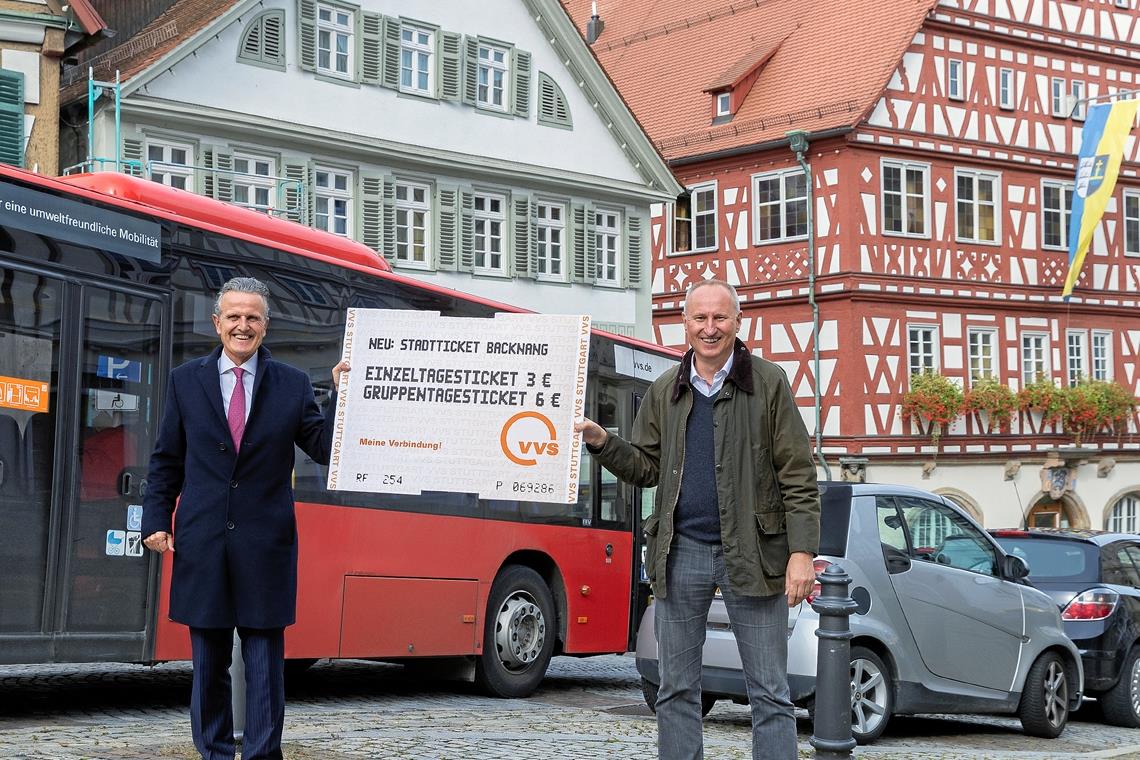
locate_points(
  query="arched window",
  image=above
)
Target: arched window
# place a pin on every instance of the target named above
(263, 42)
(553, 109)
(1123, 518)
(962, 500)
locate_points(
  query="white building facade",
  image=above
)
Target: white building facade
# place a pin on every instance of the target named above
(476, 146)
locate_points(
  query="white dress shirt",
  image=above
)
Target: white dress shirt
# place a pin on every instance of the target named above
(718, 377)
(226, 375)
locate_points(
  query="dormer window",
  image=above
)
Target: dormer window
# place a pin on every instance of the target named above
(723, 103)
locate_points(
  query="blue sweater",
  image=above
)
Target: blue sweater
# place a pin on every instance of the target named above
(697, 514)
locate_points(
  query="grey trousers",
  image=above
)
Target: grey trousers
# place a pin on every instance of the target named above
(694, 571)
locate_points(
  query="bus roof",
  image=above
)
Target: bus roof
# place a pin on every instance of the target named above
(155, 199)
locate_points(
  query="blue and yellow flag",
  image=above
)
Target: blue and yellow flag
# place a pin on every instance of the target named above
(1102, 147)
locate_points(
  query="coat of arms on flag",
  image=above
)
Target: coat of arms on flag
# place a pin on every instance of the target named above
(1103, 137)
(1090, 173)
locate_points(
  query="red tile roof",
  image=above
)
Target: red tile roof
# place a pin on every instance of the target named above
(663, 55)
(132, 56)
(751, 61)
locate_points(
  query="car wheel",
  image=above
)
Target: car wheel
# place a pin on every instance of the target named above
(871, 697)
(1121, 703)
(649, 691)
(1044, 708)
(518, 636)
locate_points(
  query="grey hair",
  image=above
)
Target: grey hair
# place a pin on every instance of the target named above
(242, 285)
(703, 283)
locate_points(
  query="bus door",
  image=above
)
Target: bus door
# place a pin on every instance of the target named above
(643, 510)
(80, 367)
(620, 504)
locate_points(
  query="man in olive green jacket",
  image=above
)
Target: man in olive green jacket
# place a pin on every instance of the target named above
(737, 508)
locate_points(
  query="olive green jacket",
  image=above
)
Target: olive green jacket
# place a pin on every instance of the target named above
(765, 476)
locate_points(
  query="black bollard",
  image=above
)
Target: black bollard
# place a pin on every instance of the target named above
(831, 732)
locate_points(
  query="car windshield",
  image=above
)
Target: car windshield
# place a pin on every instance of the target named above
(1053, 559)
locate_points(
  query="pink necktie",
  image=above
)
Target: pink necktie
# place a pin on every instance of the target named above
(236, 416)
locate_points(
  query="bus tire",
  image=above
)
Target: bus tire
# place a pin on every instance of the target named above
(296, 668)
(518, 634)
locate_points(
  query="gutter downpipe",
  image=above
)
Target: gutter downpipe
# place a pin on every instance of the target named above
(798, 142)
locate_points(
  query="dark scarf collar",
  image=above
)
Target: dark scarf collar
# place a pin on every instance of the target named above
(740, 376)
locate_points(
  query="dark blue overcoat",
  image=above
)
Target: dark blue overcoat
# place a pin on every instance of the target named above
(235, 534)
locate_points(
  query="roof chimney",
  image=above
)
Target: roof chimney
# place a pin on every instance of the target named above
(595, 25)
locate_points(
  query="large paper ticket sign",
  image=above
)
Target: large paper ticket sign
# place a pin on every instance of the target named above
(473, 405)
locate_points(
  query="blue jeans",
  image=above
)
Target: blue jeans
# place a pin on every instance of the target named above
(694, 571)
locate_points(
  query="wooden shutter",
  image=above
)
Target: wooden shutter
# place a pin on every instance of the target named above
(131, 156)
(273, 38)
(583, 268)
(471, 71)
(522, 233)
(307, 12)
(448, 227)
(389, 200)
(371, 47)
(208, 178)
(262, 42)
(466, 230)
(520, 82)
(450, 65)
(250, 47)
(390, 76)
(11, 117)
(634, 252)
(551, 105)
(224, 179)
(533, 265)
(296, 192)
(372, 210)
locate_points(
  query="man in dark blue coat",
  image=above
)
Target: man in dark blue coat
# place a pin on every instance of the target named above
(225, 453)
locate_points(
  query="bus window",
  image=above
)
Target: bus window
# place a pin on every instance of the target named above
(30, 316)
(613, 507)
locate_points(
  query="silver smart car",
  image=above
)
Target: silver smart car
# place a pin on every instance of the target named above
(946, 622)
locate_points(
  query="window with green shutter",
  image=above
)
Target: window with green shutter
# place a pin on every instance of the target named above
(12, 117)
(496, 76)
(263, 43)
(553, 110)
(332, 40)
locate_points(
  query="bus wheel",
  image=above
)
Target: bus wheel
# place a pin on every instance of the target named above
(295, 669)
(518, 635)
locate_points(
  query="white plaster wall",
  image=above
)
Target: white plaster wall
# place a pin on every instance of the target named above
(213, 78)
(1004, 502)
(603, 305)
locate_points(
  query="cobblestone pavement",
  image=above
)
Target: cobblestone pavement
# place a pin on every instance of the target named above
(589, 708)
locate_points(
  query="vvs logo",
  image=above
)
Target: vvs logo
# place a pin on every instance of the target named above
(527, 436)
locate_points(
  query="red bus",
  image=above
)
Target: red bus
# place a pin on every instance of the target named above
(106, 282)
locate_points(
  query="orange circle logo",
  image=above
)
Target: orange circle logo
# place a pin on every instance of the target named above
(526, 436)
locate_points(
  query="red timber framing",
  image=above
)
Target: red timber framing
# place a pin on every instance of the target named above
(939, 209)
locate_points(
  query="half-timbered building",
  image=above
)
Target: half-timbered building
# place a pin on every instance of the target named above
(887, 184)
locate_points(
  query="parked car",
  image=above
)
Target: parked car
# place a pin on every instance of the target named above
(1094, 577)
(945, 623)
